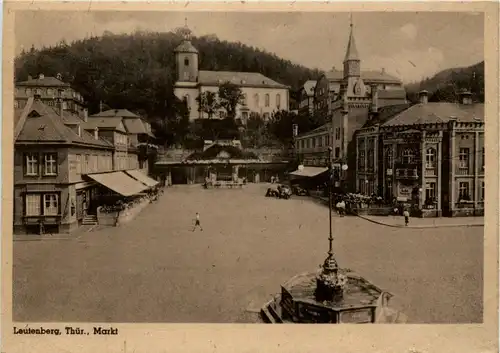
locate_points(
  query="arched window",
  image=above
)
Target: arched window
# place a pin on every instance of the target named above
(256, 99)
(408, 156)
(186, 62)
(430, 158)
(266, 100)
(50, 91)
(278, 101)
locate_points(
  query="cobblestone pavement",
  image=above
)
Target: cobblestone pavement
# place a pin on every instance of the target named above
(155, 269)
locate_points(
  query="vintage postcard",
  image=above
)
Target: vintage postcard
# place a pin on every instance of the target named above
(250, 164)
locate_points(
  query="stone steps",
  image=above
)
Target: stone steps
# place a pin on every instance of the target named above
(89, 220)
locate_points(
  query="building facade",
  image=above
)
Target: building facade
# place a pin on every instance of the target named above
(260, 94)
(347, 99)
(58, 156)
(306, 98)
(430, 156)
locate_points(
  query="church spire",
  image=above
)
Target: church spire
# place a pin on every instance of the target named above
(351, 53)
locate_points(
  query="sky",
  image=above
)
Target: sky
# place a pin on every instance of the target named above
(410, 45)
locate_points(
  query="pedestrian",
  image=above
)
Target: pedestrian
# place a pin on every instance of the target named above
(406, 214)
(197, 222)
(342, 208)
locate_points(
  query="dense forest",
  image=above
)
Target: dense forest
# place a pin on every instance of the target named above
(445, 85)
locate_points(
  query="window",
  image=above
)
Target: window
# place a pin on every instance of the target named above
(244, 99)
(388, 157)
(256, 99)
(370, 159)
(16, 104)
(463, 191)
(32, 205)
(313, 142)
(320, 141)
(50, 164)
(95, 163)
(78, 164)
(482, 191)
(278, 101)
(337, 133)
(31, 163)
(244, 115)
(50, 91)
(482, 159)
(186, 62)
(408, 156)
(328, 140)
(361, 160)
(38, 91)
(337, 152)
(28, 92)
(430, 191)
(186, 75)
(430, 158)
(266, 100)
(50, 204)
(464, 158)
(87, 164)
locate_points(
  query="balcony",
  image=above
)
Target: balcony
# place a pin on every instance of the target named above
(407, 173)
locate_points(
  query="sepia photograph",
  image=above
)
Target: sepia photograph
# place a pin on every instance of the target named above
(216, 167)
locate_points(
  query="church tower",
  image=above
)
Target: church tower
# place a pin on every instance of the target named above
(353, 84)
(186, 57)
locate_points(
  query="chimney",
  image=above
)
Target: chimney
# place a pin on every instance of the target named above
(465, 97)
(383, 70)
(41, 76)
(96, 133)
(374, 98)
(423, 96)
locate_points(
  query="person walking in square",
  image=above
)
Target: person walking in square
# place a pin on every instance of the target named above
(406, 215)
(197, 222)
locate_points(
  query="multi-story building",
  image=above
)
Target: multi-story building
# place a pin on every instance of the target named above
(346, 100)
(261, 94)
(306, 97)
(50, 90)
(430, 155)
(64, 165)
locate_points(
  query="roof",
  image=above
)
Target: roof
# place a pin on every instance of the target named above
(17, 115)
(252, 79)
(320, 129)
(44, 125)
(385, 113)
(309, 171)
(440, 112)
(134, 126)
(124, 113)
(367, 75)
(352, 51)
(309, 87)
(46, 81)
(392, 93)
(223, 152)
(186, 47)
(114, 123)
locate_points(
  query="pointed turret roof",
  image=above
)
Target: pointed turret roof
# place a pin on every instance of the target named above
(352, 51)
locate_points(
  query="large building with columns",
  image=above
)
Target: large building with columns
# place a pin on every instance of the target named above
(428, 155)
(261, 94)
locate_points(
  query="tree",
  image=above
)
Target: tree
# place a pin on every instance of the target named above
(208, 103)
(230, 96)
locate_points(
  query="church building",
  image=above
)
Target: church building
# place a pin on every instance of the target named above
(261, 94)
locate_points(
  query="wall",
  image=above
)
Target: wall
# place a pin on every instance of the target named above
(104, 162)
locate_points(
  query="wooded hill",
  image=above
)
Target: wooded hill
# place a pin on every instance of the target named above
(137, 71)
(446, 84)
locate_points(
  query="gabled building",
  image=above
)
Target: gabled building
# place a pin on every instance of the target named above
(429, 156)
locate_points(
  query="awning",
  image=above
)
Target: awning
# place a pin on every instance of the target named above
(143, 178)
(309, 171)
(119, 182)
